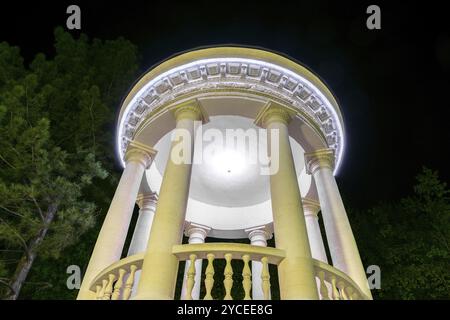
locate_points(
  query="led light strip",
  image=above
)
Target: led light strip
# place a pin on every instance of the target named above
(300, 79)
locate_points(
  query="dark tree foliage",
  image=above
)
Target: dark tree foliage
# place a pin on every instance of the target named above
(409, 241)
(56, 127)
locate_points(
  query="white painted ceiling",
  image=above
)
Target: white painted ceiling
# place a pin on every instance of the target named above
(227, 179)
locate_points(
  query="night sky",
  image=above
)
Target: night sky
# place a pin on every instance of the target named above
(392, 83)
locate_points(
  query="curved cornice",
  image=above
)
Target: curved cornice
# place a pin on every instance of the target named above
(253, 70)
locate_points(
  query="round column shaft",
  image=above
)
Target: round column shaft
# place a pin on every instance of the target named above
(147, 206)
(160, 267)
(343, 249)
(296, 273)
(258, 237)
(109, 246)
(311, 209)
(196, 234)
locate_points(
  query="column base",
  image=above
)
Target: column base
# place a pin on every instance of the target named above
(297, 280)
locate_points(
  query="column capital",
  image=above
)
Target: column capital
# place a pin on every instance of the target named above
(141, 153)
(190, 109)
(310, 207)
(145, 198)
(273, 112)
(260, 233)
(195, 229)
(323, 158)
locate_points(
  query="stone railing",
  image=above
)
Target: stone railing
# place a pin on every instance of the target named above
(334, 284)
(116, 282)
(228, 251)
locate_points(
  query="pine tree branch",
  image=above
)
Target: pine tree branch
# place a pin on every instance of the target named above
(9, 261)
(12, 212)
(43, 284)
(22, 240)
(38, 207)
(15, 150)
(27, 260)
(6, 284)
(5, 161)
(18, 215)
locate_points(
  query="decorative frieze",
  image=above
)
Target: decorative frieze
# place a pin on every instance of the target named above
(233, 73)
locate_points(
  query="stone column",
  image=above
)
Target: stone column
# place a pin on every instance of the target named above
(296, 272)
(109, 246)
(197, 234)
(160, 267)
(147, 206)
(258, 237)
(342, 244)
(311, 209)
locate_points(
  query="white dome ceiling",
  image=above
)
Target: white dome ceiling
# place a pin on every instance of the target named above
(226, 179)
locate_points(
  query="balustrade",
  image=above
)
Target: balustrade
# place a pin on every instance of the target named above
(116, 281)
(229, 252)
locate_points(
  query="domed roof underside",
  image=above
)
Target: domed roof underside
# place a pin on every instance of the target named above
(227, 193)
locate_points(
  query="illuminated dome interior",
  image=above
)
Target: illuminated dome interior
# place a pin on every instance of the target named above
(228, 181)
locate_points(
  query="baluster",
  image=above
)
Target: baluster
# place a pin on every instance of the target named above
(228, 273)
(265, 277)
(323, 287)
(119, 284)
(246, 275)
(190, 277)
(109, 287)
(349, 291)
(129, 283)
(334, 290)
(102, 290)
(209, 276)
(98, 289)
(342, 291)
